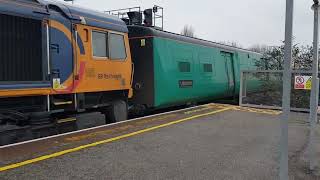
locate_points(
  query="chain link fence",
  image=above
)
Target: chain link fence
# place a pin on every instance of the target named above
(263, 89)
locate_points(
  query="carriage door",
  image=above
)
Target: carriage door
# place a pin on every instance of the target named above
(230, 73)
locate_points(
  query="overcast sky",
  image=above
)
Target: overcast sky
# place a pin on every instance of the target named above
(246, 22)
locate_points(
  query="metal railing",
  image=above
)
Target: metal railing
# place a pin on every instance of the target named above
(263, 89)
(157, 15)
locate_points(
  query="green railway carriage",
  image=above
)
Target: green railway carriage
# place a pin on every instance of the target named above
(172, 69)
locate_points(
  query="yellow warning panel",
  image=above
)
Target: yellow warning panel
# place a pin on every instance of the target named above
(56, 83)
(309, 83)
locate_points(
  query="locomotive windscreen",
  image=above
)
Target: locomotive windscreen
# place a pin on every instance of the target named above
(20, 49)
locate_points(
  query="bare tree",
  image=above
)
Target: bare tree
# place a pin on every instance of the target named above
(188, 31)
(273, 57)
(260, 48)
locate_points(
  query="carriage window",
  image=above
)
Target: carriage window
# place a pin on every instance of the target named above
(207, 67)
(184, 67)
(99, 44)
(117, 47)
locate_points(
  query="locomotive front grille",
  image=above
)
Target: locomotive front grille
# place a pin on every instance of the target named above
(20, 49)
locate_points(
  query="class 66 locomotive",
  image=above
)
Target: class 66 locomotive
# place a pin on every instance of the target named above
(58, 62)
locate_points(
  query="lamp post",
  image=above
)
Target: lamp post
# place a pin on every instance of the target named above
(315, 87)
(283, 174)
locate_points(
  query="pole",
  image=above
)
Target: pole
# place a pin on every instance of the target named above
(314, 89)
(286, 91)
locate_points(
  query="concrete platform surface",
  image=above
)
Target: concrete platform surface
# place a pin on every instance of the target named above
(233, 144)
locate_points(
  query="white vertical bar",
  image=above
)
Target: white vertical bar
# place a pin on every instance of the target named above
(76, 68)
(48, 48)
(48, 63)
(314, 89)
(76, 53)
(48, 103)
(286, 91)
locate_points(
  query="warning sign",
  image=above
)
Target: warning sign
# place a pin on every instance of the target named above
(308, 84)
(56, 83)
(302, 82)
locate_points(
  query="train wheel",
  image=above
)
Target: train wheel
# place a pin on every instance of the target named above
(118, 111)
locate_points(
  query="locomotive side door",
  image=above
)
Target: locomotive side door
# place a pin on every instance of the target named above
(61, 53)
(230, 73)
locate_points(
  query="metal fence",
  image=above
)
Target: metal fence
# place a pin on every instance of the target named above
(263, 89)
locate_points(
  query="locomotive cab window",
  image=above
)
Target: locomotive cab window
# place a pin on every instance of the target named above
(117, 47)
(99, 44)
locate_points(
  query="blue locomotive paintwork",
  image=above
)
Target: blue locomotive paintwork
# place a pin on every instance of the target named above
(42, 9)
(61, 54)
(61, 19)
(61, 50)
(98, 19)
(23, 86)
(28, 10)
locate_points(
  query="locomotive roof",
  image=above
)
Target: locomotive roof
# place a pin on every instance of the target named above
(96, 18)
(72, 12)
(142, 31)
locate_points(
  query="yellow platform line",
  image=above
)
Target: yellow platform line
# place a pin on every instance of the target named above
(248, 109)
(57, 154)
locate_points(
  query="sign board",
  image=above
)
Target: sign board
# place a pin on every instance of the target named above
(57, 84)
(302, 82)
(143, 42)
(186, 83)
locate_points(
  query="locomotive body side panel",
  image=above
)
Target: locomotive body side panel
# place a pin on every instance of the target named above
(180, 76)
(103, 73)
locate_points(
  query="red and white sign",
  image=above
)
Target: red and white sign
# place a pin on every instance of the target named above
(302, 82)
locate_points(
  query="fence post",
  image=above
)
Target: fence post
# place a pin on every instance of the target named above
(241, 88)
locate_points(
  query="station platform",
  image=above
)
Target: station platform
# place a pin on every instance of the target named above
(212, 141)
